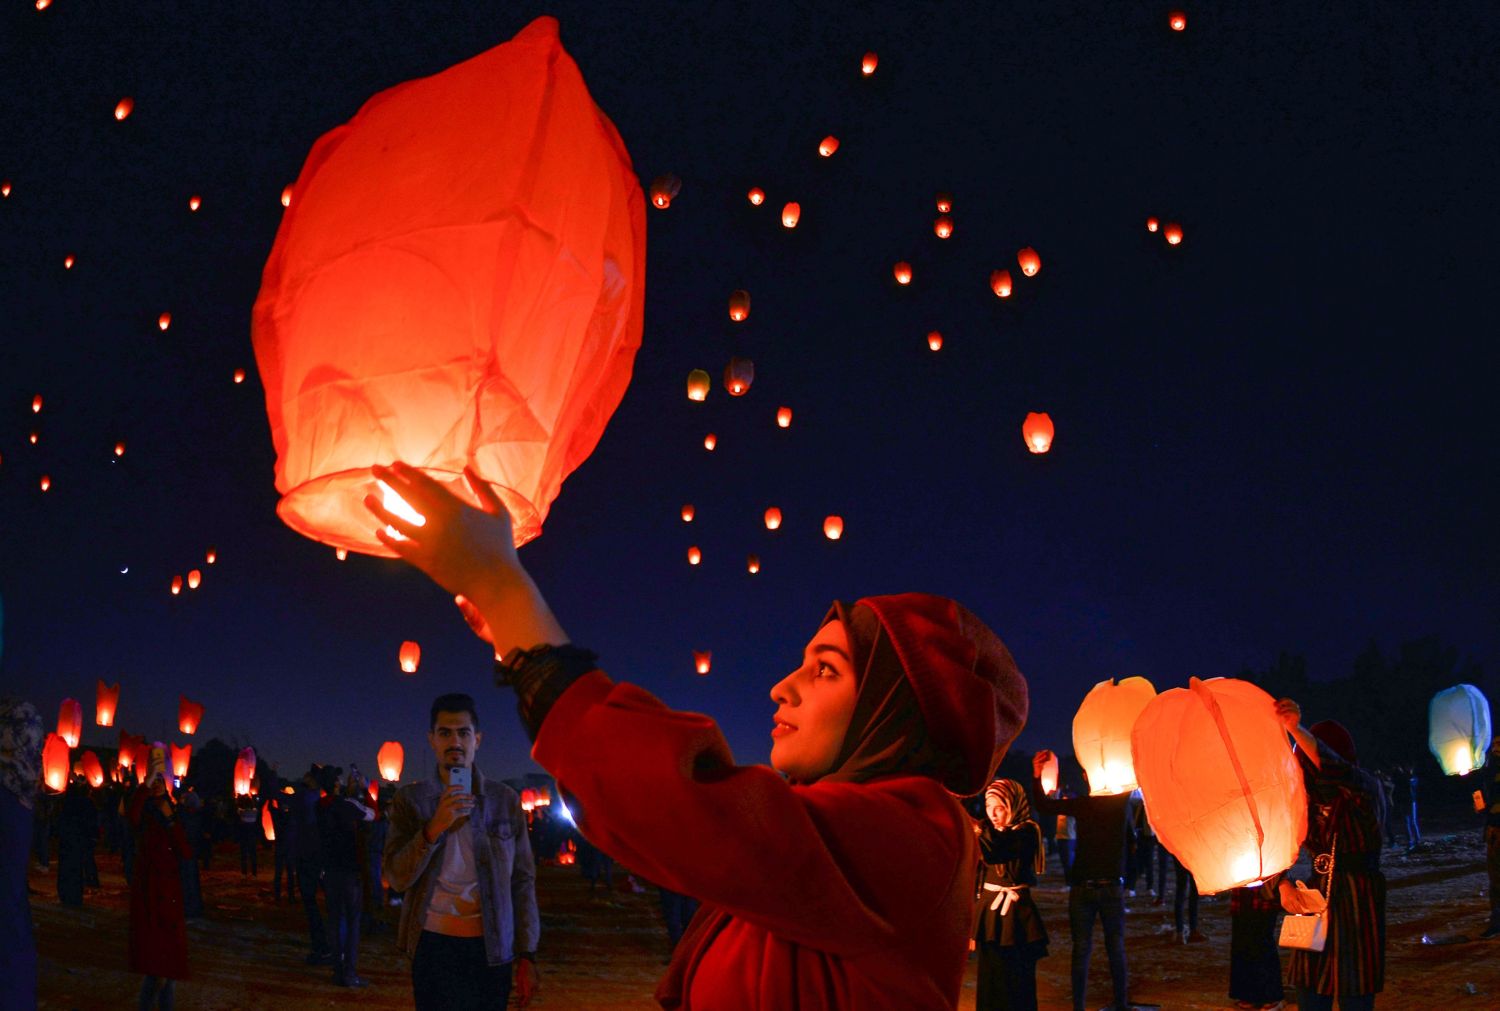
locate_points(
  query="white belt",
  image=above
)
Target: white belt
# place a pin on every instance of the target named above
(1008, 894)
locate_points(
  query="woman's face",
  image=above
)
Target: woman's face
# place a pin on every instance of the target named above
(999, 813)
(814, 705)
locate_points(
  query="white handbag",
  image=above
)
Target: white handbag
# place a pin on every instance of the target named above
(1305, 925)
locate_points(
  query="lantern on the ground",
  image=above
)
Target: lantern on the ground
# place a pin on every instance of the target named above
(1037, 431)
(694, 556)
(942, 227)
(189, 714)
(1172, 232)
(739, 305)
(389, 760)
(833, 527)
(828, 145)
(1223, 789)
(1049, 774)
(1029, 261)
(663, 189)
(55, 763)
(1458, 729)
(702, 660)
(902, 272)
(738, 375)
(460, 282)
(752, 564)
(244, 772)
(267, 824)
(757, 196)
(934, 340)
(697, 385)
(410, 655)
(773, 518)
(70, 721)
(688, 513)
(1101, 733)
(790, 215)
(783, 417)
(106, 703)
(868, 64)
(182, 757)
(1000, 283)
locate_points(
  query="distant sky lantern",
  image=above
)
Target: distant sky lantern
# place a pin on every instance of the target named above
(868, 64)
(36, 404)
(739, 305)
(1223, 791)
(790, 215)
(70, 721)
(176, 585)
(1049, 774)
(119, 449)
(702, 660)
(710, 441)
(688, 513)
(1172, 232)
(239, 375)
(5, 188)
(943, 226)
(1037, 431)
(46, 482)
(694, 556)
(389, 760)
(267, 825)
(189, 715)
(410, 656)
(34, 437)
(1000, 283)
(164, 320)
(833, 527)
(698, 382)
(124, 107)
(55, 763)
(1152, 225)
(374, 788)
(753, 564)
(194, 202)
(757, 196)
(773, 518)
(182, 757)
(211, 556)
(828, 145)
(1101, 733)
(1458, 729)
(68, 262)
(1029, 261)
(195, 579)
(106, 703)
(93, 771)
(244, 772)
(783, 417)
(1177, 20)
(366, 335)
(663, 189)
(738, 375)
(934, 340)
(944, 203)
(902, 272)
(286, 195)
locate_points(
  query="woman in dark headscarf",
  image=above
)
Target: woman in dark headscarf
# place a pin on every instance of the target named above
(20, 772)
(1011, 937)
(845, 881)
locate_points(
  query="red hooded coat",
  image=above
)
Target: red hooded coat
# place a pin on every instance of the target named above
(158, 924)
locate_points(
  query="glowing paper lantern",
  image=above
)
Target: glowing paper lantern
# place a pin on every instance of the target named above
(389, 760)
(1000, 283)
(189, 715)
(738, 375)
(36, 404)
(211, 556)
(164, 321)
(1049, 774)
(935, 340)
(106, 703)
(119, 449)
(124, 107)
(739, 305)
(783, 417)
(694, 556)
(687, 514)
(195, 579)
(461, 283)
(125, 756)
(239, 375)
(943, 226)
(945, 203)
(1178, 22)
(1101, 733)
(868, 64)
(753, 564)
(342, 554)
(833, 527)
(1458, 729)
(757, 196)
(92, 770)
(70, 721)
(663, 189)
(1223, 790)
(34, 437)
(528, 800)
(790, 215)
(286, 195)
(773, 518)
(5, 188)
(267, 825)
(1152, 225)
(194, 202)
(1029, 261)
(710, 441)
(702, 661)
(182, 757)
(902, 272)
(698, 382)
(1037, 431)
(244, 772)
(46, 482)
(410, 656)
(543, 797)
(68, 262)
(176, 585)
(828, 145)
(1172, 232)
(374, 787)
(55, 763)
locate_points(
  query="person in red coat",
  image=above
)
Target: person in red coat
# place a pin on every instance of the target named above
(840, 878)
(158, 926)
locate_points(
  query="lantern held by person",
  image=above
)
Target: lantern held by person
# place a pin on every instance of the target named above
(182, 757)
(460, 282)
(1037, 431)
(70, 721)
(189, 714)
(1101, 733)
(244, 772)
(55, 763)
(1049, 775)
(1223, 790)
(267, 825)
(1459, 729)
(410, 655)
(389, 760)
(92, 770)
(106, 703)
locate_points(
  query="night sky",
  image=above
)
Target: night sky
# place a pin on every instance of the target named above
(1280, 435)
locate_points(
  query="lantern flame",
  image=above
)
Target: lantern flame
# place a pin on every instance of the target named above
(396, 504)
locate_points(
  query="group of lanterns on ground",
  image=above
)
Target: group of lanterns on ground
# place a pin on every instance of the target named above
(1222, 787)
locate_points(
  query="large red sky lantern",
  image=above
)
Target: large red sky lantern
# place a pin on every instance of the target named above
(70, 721)
(1101, 733)
(389, 760)
(460, 281)
(55, 763)
(1223, 789)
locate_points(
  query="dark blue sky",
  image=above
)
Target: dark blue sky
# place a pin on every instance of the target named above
(1280, 435)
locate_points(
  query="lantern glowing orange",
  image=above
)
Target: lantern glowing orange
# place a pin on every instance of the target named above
(267, 825)
(182, 757)
(543, 796)
(698, 382)
(710, 441)
(1037, 431)
(1029, 261)
(211, 556)
(92, 770)
(1049, 774)
(757, 196)
(389, 760)
(663, 189)
(790, 215)
(702, 661)
(738, 375)
(1101, 733)
(1000, 283)
(1152, 225)
(945, 203)
(244, 772)
(410, 656)
(833, 527)
(34, 437)
(773, 518)
(753, 564)
(1223, 790)
(694, 556)
(528, 800)
(239, 375)
(5, 188)
(1178, 22)
(783, 417)
(36, 404)
(342, 554)
(943, 226)
(195, 579)
(119, 449)
(828, 145)
(68, 262)
(868, 64)
(567, 854)
(194, 202)
(164, 321)
(739, 305)
(46, 482)
(374, 788)
(125, 756)
(124, 107)
(902, 272)
(70, 721)
(367, 329)
(1172, 232)
(286, 195)
(55, 763)
(106, 703)
(687, 514)
(935, 340)
(189, 715)
(176, 585)
(1458, 729)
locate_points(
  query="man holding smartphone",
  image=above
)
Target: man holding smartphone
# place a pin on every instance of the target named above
(459, 850)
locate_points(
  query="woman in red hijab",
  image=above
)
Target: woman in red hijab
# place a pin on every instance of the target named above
(843, 882)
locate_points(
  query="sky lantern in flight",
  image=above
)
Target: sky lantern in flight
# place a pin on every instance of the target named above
(1101, 733)
(182, 757)
(1458, 729)
(70, 721)
(694, 555)
(688, 513)
(1172, 232)
(36, 404)
(738, 375)
(1177, 21)
(106, 703)
(663, 189)
(753, 564)
(68, 262)
(1049, 774)
(124, 107)
(1223, 790)
(790, 215)
(189, 714)
(55, 763)
(195, 578)
(902, 272)
(710, 441)
(833, 527)
(5, 188)
(46, 482)
(783, 417)
(868, 64)
(456, 225)
(828, 145)
(702, 660)
(176, 585)
(1152, 224)
(239, 376)
(389, 760)
(773, 518)
(119, 449)
(34, 436)
(698, 382)
(93, 771)
(286, 195)
(410, 655)
(164, 321)
(244, 772)
(934, 340)
(1037, 431)
(943, 226)
(1030, 261)
(945, 203)
(194, 202)
(757, 196)
(1000, 283)
(739, 305)
(211, 556)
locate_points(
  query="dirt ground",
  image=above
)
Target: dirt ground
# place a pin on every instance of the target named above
(608, 954)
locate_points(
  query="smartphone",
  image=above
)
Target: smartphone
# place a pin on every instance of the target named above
(462, 778)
